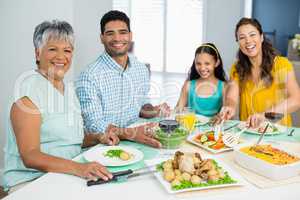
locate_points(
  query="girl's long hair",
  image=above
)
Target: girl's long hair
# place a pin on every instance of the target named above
(244, 66)
(212, 50)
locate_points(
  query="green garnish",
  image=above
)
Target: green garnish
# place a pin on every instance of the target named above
(159, 167)
(188, 184)
(114, 153)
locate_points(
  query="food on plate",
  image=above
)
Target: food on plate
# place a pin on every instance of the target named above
(173, 139)
(208, 139)
(118, 153)
(272, 128)
(188, 170)
(270, 154)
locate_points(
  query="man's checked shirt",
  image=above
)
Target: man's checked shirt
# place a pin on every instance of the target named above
(108, 94)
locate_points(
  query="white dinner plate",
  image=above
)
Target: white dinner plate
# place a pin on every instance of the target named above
(201, 120)
(190, 139)
(98, 154)
(239, 180)
(281, 129)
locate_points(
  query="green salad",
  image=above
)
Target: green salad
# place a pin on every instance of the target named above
(114, 153)
(171, 140)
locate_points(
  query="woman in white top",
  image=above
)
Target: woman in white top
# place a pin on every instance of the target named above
(46, 129)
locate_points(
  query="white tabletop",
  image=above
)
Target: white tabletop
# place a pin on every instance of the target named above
(61, 186)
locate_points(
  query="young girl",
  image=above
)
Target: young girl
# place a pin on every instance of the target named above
(203, 91)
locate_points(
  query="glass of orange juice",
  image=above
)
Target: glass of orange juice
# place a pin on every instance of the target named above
(186, 117)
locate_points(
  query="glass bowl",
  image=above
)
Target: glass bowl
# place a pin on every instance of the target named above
(173, 139)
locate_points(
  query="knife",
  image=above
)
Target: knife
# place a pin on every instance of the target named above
(230, 127)
(122, 176)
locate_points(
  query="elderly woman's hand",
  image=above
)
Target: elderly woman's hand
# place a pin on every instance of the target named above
(92, 171)
(255, 120)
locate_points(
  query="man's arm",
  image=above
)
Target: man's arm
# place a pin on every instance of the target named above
(91, 106)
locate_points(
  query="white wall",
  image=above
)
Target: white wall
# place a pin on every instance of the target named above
(87, 15)
(18, 19)
(222, 17)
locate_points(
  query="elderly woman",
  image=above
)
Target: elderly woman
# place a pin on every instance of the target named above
(46, 125)
(264, 81)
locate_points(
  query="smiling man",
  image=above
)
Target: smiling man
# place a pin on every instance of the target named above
(113, 89)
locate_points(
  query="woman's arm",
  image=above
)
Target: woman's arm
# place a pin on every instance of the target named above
(183, 98)
(288, 105)
(292, 102)
(26, 126)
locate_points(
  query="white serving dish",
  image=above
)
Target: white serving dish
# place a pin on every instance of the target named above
(261, 167)
(239, 180)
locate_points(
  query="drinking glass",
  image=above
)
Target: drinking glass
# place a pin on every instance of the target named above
(186, 117)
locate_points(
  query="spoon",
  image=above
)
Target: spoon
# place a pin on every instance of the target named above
(260, 138)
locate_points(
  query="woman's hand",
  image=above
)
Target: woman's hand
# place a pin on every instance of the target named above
(92, 171)
(255, 120)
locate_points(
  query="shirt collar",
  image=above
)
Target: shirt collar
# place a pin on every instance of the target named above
(113, 64)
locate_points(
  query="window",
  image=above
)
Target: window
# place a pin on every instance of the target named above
(166, 33)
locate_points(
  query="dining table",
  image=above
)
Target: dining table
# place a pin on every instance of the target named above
(63, 186)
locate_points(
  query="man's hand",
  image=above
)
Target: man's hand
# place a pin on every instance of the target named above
(142, 134)
(162, 110)
(150, 111)
(110, 137)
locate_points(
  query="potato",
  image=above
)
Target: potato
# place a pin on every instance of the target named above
(175, 182)
(212, 172)
(169, 175)
(124, 155)
(214, 177)
(177, 172)
(179, 177)
(195, 179)
(167, 165)
(186, 176)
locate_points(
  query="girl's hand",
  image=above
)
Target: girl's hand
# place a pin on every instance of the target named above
(255, 120)
(225, 113)
(92, 171)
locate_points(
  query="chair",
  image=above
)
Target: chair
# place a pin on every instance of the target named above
(271, 36)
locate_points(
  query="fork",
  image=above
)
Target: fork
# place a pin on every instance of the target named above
(218, 129)
(231, 139)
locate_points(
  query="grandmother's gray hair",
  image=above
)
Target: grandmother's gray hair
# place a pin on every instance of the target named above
(54, 30)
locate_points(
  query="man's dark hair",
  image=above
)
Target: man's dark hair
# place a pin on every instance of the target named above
(114, 15)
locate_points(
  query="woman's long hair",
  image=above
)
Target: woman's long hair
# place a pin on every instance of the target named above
(212, 50)
(244, 66)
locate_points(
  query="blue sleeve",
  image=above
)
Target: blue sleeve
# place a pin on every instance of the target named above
(90, 103)
(146, 89)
